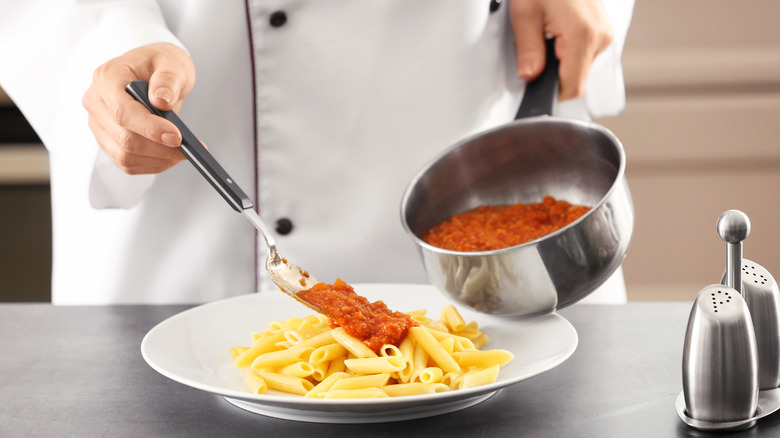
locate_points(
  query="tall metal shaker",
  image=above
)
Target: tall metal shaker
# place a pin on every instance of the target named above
(720, 360)
(762, 297)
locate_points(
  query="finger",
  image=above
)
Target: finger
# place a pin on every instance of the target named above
(171, 80)
(528, 28)
(576, 58)
(147, 166)
(581, 35)
(131, 115)
(164, 90)
(136, 159)
(107, 101)
(128, 142)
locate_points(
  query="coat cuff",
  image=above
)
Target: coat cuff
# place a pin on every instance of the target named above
(110, 187)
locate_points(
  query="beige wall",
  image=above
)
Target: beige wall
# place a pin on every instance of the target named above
(702, 135)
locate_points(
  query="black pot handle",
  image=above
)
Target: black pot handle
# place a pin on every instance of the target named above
(540, 93)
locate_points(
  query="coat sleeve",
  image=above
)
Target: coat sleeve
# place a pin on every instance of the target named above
(57, 45)
(605, 91)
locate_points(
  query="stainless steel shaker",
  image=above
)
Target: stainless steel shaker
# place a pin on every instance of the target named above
(720, 362)
(760, 292)
(731, 357)
(762, 297)
(720, 359)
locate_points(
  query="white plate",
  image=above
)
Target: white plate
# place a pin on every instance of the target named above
(192, 348)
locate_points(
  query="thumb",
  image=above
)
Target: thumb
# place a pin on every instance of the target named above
(527, 26)
(172, 78)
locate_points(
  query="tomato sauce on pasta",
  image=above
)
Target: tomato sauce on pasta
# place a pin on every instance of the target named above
(494, 227)
(372, 323)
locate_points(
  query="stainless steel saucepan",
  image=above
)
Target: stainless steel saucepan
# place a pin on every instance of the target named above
(534, 156)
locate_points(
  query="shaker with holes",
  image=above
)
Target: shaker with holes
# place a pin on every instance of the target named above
(762, 297)
(720, 358)
(720, 362)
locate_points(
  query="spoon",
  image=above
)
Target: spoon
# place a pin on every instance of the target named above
(290, 278)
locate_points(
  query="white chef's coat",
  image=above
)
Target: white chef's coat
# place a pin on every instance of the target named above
(322, 119)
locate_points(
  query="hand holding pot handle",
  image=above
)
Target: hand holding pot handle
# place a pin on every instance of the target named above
(540, 94)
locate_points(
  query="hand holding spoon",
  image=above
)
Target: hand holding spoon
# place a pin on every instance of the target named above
(290, 278)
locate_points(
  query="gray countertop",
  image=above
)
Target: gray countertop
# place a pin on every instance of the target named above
(78, 371)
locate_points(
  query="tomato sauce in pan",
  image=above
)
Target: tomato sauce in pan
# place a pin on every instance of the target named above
(494, 227)
(372, 323)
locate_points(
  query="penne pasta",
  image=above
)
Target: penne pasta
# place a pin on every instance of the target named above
(327, 353)
(479, 377)
(359, 382)
(407, 355)
(235, 351)
(435, 351)
(422, 320)
(317, 341)
(431, 375)
(320, 371)
(281, 358)
(255, 383)
(418, 388)
(284, 383)
(452, 380)
(461, 343)
(292, 336)
(468, 333)
(263, 345)
(390, 350)
(480, 341)
(375, 365)
(452, 318)
(448, 344)
(437, 325)
(419, 362)
(292, 323)
(300, 335)
(337, 366)
(282, 345)
(324, 386)
(316, 321)
(407, 347)
(352, 344)
(298, 369)
(419, 317)
(406, 373)
(482, 358)
(304, 356)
